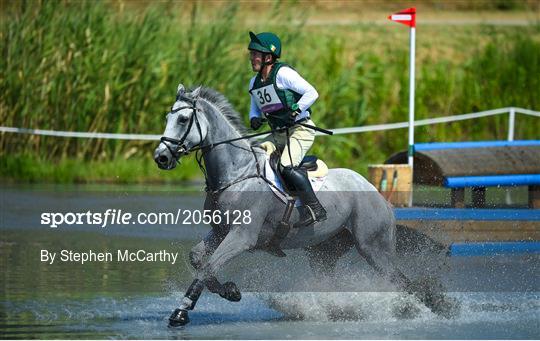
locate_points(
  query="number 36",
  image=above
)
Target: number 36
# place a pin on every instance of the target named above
(266, 98)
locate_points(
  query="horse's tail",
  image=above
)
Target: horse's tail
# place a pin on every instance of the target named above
(412, 241)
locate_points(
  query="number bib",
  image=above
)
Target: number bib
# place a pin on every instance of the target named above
(267, 99)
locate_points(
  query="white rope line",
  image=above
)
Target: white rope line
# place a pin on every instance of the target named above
(437, 120)
(80, 134)
(527, 112)
(337, 131)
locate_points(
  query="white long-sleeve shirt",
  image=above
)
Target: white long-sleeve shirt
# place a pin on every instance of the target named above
(289, 79)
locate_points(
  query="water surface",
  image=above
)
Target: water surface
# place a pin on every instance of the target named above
(282, 298)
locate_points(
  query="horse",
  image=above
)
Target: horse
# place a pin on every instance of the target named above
(203, 120)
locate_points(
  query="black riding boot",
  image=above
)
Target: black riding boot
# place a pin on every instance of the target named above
(297, 179)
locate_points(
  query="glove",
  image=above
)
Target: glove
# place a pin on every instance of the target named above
(295, 111)
(256, 123)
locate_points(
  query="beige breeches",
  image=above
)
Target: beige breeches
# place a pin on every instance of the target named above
(300, 140)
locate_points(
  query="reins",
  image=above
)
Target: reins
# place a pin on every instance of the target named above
(178, 147)
(184, 150)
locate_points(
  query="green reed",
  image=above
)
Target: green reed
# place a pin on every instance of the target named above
(95, 66)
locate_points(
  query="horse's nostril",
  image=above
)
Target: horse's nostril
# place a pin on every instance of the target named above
(162, 159)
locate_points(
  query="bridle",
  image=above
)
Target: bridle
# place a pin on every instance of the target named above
(177, 147)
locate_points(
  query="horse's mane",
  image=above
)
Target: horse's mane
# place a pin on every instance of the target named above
(222, 103)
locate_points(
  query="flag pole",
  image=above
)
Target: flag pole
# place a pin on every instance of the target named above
(411, 95)
(408, 17)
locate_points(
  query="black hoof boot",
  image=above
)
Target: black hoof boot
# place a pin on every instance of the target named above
(179, 318)
(231, 292)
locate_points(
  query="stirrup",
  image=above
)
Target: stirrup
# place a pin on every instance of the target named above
(309, 217)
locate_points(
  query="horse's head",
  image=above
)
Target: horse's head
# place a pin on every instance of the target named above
(186, 128)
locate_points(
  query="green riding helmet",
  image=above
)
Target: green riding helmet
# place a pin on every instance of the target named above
(265, 42)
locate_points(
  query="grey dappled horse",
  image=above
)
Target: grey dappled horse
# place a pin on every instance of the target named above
(357, 214)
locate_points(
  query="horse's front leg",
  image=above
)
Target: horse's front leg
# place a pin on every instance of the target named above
(212, 240)
(205, 247)
(196, 257)
(241, 238)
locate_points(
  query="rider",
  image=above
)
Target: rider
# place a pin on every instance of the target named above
(285, 98)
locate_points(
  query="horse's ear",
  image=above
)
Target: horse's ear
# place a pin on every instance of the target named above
(180, 89)
(195, 93)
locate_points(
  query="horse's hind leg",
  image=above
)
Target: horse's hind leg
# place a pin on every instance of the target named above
(324, 256)
(378, 249)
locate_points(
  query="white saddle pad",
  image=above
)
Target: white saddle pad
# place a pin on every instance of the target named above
(316, 183)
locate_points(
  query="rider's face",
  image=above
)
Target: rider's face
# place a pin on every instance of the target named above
(257, 58)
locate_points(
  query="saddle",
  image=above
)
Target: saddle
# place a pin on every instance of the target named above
(315, 167)
(309, 163)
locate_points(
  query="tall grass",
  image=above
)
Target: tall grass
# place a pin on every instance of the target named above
(94, 66)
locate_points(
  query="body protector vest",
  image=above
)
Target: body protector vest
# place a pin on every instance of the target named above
(275, 104)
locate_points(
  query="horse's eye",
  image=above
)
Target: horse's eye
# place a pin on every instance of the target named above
(182, 119)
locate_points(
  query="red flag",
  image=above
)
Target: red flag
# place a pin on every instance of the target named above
(405, 17)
